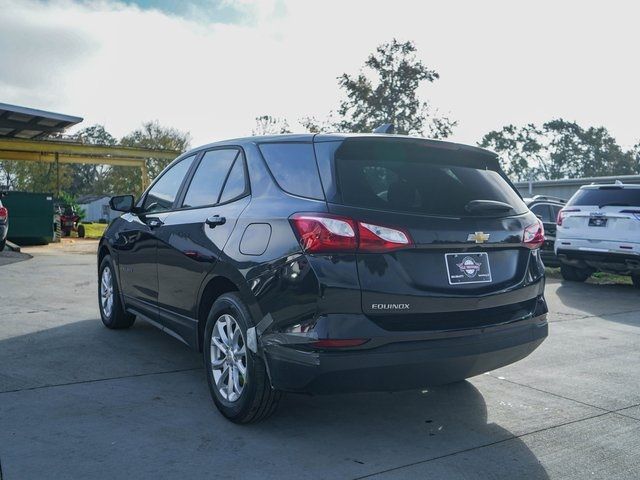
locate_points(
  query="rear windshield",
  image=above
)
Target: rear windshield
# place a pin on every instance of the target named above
(420, 181)
(607, 196)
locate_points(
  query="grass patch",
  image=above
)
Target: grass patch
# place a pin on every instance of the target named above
(94, 230)
(599, 278)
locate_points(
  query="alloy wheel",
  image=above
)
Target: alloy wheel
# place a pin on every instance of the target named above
(228, 358)
(106, 292)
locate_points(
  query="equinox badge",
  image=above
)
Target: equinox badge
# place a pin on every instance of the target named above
(478, 237)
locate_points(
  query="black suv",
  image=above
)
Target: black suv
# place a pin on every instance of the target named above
(329, 263)
(546, 208)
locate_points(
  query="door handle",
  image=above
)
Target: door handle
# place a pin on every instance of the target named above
(154, 222)
(215, 220)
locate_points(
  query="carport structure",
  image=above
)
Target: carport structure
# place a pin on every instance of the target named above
(21, 128)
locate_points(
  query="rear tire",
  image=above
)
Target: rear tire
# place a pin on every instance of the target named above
(80, 231)
(636, 280)
(112, 311)
(574, 274)
(242, 397)
(3, 243)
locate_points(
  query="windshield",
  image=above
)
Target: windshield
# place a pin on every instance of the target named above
(606, 196)
(420, 182)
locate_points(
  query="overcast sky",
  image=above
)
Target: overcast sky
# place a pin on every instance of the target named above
(211, 66)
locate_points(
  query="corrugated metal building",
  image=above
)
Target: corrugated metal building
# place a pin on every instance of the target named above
(565, 188)
(96, 207)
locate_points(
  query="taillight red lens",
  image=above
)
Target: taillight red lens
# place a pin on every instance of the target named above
(4, 213)
(322, 232)
(375, 238)
(562, 213)
(534, 235)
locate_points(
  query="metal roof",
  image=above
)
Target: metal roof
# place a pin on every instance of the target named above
(22, 122)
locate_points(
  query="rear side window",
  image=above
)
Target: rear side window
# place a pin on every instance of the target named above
(209, 178)
(543, 211)
(293, 165)
(417, 180)
(163, 193)
(606, 196)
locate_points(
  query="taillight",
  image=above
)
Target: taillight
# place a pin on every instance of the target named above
(562, 213)
(322, 232)
(375, 238)
(4, 213)
(534, 235)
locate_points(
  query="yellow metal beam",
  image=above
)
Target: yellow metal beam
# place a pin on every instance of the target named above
(49, 146)
(65, 158)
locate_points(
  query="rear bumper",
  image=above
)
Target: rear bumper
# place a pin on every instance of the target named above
(421, 359)
(617, 260)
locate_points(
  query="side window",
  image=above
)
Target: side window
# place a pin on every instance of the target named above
(236, 184)
(163, 193)
(542, 211)
(209, 178)
(554, 210)
(293, 165)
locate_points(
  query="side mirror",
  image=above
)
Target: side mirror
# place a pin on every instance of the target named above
(122, 203)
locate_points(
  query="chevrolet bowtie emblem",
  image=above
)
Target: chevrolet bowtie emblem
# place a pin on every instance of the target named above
(478, 237)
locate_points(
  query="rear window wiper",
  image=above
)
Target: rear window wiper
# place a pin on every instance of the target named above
(487, 206)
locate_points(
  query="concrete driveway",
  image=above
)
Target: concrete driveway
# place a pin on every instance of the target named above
(80, 401)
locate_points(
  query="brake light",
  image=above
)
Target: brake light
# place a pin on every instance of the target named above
(375, 238)
(4, 213)
(562, 213)
(322, 232)
(533, 235)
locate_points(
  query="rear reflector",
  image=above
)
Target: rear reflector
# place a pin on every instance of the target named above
(323, 232)
(4, 213)
(339, 343)
(534, 235)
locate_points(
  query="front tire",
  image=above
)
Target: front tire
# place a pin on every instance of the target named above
(112, 311)
(574, 274)
(237, 378)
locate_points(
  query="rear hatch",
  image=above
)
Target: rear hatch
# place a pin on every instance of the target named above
(609, 213)
(464, 221)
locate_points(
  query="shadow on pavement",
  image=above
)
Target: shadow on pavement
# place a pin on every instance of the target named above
(161, 420)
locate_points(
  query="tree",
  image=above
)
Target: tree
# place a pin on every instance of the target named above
(154, 135)
(560, 149)
(268, 125)
(91, 178)
(386, 91)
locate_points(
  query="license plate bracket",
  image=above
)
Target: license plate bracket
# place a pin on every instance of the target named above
(465, 268)
(597, 222)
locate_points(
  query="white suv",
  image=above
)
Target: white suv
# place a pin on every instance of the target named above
(599, 230)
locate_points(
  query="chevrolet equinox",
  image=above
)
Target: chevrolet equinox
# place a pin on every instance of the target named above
(329, 263)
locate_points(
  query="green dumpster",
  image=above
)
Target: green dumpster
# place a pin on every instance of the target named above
(30, 217)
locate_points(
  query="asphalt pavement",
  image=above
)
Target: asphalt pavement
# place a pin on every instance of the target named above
(80, 401)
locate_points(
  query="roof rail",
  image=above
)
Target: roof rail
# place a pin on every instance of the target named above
(385, 128)
(549, 197)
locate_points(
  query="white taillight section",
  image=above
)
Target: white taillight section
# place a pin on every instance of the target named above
(533, 235)
(336, 226)
(387, 234)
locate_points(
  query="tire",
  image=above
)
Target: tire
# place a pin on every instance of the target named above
(113, 314)
(574, 274)
(3, 243)
(250, 398)
(636, 280)
(80, 231)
